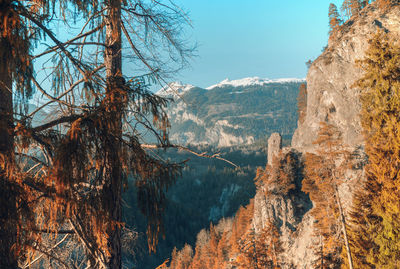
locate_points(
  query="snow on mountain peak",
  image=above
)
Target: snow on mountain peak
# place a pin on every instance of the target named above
(251, 81)
(174, 89)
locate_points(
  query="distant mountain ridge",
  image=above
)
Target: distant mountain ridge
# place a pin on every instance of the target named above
(232, 112)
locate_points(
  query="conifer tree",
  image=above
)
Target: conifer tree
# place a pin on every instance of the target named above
(376, 215)
(18, 33)
(334, 23)
(260, 250)
(351, 7)
(324, 173)
(88, 162)
(14, 49)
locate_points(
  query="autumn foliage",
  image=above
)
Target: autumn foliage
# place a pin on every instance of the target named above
(324, 172)
(334, 18)
(233, 242)
(375, 222)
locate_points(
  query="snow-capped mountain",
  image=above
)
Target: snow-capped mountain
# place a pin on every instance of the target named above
(174, 89)
(232, 112)
(252, 81)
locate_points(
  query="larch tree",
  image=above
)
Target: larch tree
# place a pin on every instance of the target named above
(14, 51)
(351, 7)
(334, 23)
(17, 36)
(376, 214)
(324, 172)
(260, 250)
(95, 142)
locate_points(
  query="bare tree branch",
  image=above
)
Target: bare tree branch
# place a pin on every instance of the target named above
(52, 49)
(47, 253)
(203, 155)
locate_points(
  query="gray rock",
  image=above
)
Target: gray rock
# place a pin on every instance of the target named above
(274, 146)
(332, 98)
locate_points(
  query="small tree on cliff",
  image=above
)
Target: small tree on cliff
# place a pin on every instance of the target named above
(334, 19)
(324, 171)
(351, 7)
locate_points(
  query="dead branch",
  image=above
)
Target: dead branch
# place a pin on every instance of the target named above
(58, 121)
(54, 48)
(203, 155)
(47, 253)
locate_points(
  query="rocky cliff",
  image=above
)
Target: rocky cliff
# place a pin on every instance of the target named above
(330, 95)
(331, 98)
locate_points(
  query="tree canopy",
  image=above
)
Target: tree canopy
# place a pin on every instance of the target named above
(75, 164)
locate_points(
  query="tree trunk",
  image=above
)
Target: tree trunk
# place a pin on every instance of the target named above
(114, 99)
(8, 211)
(343, 222)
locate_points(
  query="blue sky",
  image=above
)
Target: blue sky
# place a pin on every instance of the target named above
(245, 38)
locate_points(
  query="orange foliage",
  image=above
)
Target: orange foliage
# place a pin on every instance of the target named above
(222, 242)
(324, 172)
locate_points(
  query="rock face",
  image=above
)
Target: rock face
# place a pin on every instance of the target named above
(274, 146)
(330, 95)
(285, 209)
(330, 98)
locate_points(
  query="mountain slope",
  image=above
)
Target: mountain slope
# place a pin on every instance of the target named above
(331, 98)
(230, 113)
